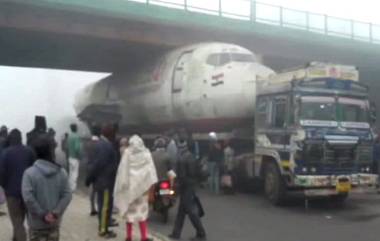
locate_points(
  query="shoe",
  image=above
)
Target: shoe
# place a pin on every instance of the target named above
(148, 239)
(199, 238)
(93, 213)
(113, 223)
(2, 213)
(108, 235)
(175, 237)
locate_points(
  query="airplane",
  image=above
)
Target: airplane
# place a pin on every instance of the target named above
(206, 87)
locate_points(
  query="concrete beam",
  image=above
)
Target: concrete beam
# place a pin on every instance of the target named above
(109, 33)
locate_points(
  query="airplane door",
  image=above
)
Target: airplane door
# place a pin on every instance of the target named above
(179, 84)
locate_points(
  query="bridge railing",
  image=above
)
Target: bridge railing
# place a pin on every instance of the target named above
(253, 11)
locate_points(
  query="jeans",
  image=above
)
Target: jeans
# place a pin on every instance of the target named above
(214, 179)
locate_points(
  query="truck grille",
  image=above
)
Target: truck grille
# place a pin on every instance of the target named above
(364, 154)
(337, 156)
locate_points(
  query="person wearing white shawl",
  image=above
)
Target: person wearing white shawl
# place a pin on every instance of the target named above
(135, 177)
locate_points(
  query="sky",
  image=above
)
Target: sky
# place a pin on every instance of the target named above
(26, 92)
(363, 10)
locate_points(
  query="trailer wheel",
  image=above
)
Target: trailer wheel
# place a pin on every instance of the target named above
(274, 185)
(339, 200)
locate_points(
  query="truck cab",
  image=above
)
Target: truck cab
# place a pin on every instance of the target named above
(313, 133)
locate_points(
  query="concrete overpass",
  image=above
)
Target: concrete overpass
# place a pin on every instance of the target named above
(113, 35)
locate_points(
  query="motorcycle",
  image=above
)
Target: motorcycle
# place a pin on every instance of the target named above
(164, 198)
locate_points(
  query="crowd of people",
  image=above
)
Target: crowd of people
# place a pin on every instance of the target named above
(121, 172)
(36, 188)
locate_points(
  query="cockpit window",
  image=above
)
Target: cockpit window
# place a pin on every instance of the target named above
(224, 59)
(213, 59)
(242, 57)
(221, 59)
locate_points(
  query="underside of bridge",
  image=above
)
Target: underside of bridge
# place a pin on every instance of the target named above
(56, 36)
(61, 37)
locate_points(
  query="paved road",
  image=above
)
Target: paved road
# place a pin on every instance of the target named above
(248, 217)
(77, 224)
(251, 217)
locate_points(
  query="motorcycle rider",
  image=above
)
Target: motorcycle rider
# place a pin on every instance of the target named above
(162, 160)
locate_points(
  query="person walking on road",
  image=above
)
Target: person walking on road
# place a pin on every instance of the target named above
(65, 150)
(376, 158)
(172, 147)
(74, 148)
(40, 128)
(135, 177)
(46, 193)
(123, 145)
(14, 160)
(3, 142)
(3, 138)
(187, 176)
(90, 152)
(101, 175)
(215, 159)
(228, 168)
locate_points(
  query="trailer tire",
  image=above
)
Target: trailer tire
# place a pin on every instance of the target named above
(339, 200)
(274, 185)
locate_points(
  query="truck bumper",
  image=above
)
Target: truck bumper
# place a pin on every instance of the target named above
(325, 185)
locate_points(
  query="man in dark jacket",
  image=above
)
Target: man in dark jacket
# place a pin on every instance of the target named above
(376, 158)
(3, 142)
(3, 138)
(46, 192)
(15, 159)
(187, 179)
(90, 152)
(40, 127)
(101, 175)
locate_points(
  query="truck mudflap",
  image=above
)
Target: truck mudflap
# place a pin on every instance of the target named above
(322, 185)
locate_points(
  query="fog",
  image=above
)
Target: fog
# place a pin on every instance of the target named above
(26, 92)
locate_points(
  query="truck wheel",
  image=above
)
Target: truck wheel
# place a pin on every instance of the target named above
(274, 185)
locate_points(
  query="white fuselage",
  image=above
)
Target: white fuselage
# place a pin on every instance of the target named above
(204, 87)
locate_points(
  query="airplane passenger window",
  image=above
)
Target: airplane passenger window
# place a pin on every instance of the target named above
(218, 59)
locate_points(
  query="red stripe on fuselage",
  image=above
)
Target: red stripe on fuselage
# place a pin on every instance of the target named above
(218, 76)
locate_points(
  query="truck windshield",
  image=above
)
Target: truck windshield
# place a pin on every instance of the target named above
(318, 108)
(329, 109)
(353, 110)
